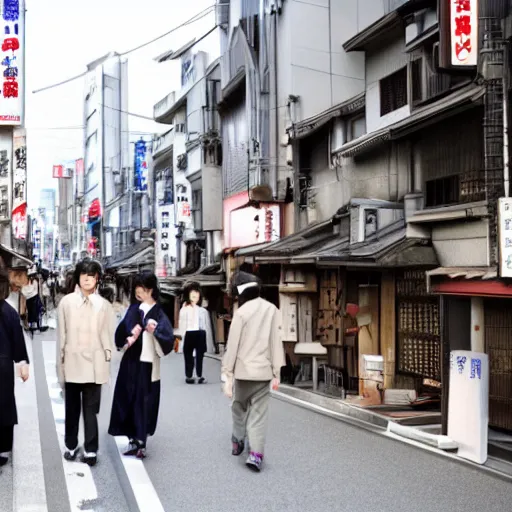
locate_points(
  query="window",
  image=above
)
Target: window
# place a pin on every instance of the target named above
(356, 127)
(196, 210)
(417, 80)
(393, 92)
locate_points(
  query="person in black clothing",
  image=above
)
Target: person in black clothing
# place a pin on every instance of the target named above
(145, 335)
(12, 349)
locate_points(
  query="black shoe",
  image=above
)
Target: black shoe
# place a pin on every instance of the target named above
(3, 460)
(202, 380)
(71, 455)
(90, 460)
(237, 446)
(190, 380)
(132, 449)
(141, 453)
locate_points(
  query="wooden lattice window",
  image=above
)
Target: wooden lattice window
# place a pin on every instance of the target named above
(419, 344)
(393, 92)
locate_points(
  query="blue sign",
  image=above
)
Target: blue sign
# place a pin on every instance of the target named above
(141, 166)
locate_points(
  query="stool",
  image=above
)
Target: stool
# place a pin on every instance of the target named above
(317, 352)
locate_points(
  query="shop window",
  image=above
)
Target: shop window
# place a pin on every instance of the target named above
(393, 92)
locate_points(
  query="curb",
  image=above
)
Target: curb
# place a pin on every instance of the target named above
(504, 474)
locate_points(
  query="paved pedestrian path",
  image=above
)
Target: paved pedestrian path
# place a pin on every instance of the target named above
(312, 462)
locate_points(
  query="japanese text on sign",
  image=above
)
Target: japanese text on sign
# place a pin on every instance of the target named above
(464, 32)
(476, 369)
(11, 102)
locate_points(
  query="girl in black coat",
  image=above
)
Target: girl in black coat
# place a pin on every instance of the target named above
(145, 334)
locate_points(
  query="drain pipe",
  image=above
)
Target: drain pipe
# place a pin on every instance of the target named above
(275, 165)
(506, 154)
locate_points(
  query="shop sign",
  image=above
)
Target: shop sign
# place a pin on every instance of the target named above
(61, 171)
(141, 166)
(12, 95)
(464, 32)
(19, 204)
(505, 236)
(255, 225)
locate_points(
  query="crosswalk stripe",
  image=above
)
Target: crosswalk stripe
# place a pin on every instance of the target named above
(79, 478)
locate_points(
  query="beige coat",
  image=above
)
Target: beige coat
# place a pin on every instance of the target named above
(255, 348)
(86, 334)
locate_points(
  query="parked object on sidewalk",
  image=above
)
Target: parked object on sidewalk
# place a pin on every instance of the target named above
(145, 335)
(196, 330)
(254, 358)
(86, 330)
(12, 350)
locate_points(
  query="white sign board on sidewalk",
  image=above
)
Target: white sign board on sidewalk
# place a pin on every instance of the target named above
(468, 405)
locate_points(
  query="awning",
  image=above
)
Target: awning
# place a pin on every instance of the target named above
(131, 263)
(24, 261)
(209, 276)
(419, 119)
(308, 126)
(469, 281)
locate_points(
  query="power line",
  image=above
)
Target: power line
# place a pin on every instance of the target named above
(195, 18)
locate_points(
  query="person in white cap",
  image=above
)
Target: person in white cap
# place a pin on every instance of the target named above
(251, 366)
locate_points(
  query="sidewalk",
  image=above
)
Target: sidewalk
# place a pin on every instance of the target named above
(381, 424)
(22, 485)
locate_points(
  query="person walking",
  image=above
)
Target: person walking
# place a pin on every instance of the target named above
(251, 365)
(86, 331)
(12, 350)
(145, 335)
(196, 329)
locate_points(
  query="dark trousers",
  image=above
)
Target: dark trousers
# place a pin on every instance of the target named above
(86, 398)
(194, 340)
(6, 438)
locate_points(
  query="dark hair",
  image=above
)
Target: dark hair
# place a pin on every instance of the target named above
(5, 284)
(192, 286)
(70, 283)
(89, 267)
(146, 279)
(107, 293)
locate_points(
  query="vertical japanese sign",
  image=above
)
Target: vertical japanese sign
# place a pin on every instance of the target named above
(141, 166)
(58, 171)
(79, 177)
(505, 236)
(464, 32)
(5, 176)
(12, 93)
(19, 186)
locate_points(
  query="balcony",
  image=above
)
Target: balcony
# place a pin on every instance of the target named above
(165, 110)
(163, 143)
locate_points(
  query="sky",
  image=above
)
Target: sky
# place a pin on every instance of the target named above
(63, 36)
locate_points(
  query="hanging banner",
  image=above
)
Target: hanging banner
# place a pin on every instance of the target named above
(141, 166)
(464, 32)
(12, 91)
(19, 194)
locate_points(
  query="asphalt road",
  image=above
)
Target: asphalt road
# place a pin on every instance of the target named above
(313, 463)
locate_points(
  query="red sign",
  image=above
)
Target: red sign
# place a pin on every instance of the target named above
(58, 171)
(464, 32)
(95, 209)
(79, 167)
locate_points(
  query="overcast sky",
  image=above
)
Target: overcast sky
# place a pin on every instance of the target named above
(63, 36)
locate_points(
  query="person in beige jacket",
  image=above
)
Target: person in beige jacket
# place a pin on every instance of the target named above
(86, 324)
(251, 365)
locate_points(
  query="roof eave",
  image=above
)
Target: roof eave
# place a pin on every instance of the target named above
(374, 32)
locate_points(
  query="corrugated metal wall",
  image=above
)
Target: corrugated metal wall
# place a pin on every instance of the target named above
(235, 160)
(453, 146)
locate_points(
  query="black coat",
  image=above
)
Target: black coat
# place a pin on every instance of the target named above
(12, 350)
(136, 398)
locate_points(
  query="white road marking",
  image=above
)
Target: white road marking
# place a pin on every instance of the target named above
(145, 494)
(29, 490)
(79, 479)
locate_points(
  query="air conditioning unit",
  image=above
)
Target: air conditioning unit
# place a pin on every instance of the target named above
(222, 13)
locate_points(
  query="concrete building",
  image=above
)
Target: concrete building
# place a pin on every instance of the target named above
(187, 162)
(105, 200)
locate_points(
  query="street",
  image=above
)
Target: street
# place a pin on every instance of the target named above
(312, 462)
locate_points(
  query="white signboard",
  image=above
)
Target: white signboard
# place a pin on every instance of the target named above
(255, 225)
(12, 60)
(464, 32)
(468, 405)
(505, 236)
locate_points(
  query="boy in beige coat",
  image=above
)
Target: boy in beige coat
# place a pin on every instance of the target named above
(254, 358)
(86, 333)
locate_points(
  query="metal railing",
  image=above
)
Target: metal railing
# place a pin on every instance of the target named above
(466, 187)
